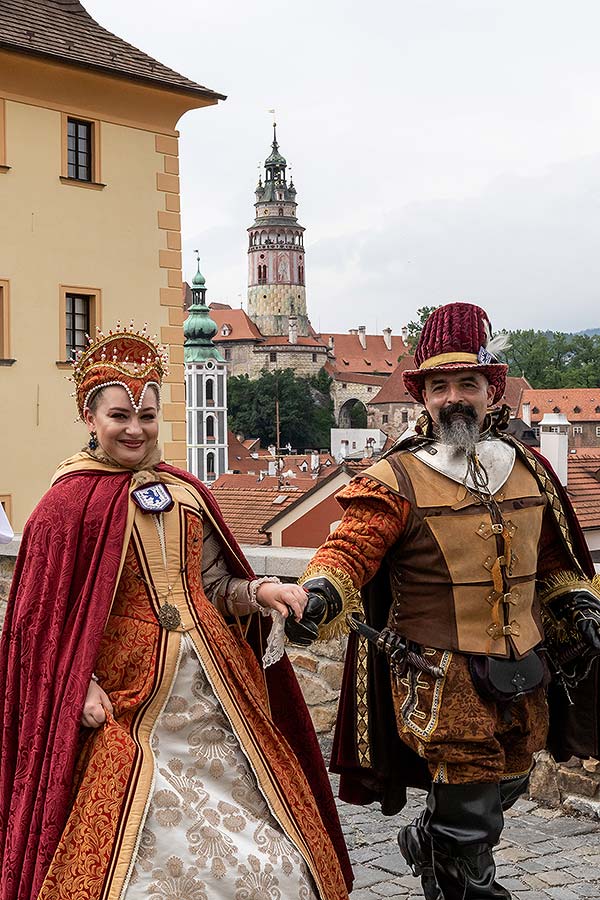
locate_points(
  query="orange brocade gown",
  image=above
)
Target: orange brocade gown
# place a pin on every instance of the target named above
(103, 852)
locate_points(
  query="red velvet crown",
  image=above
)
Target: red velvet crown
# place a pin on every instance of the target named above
(455, 336)
(123, 357)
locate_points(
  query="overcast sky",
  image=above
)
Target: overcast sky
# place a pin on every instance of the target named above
(441, 149)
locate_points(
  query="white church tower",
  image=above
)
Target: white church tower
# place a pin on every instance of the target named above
(206, 389)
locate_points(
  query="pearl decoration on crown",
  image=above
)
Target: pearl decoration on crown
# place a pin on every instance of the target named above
(129, 358)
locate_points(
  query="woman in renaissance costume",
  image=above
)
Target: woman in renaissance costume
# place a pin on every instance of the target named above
(145, 751)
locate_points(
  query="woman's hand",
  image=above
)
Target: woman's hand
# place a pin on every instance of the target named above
(95, 707)
(285, 598)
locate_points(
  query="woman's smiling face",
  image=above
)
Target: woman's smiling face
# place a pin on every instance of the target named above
(124, 434)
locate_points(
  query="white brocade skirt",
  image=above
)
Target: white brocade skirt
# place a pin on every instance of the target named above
(209, 832)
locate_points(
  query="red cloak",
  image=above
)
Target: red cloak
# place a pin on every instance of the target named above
(62, 590)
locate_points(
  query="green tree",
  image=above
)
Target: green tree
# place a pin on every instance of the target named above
(358, 415)
(552, 359)
(305, 411)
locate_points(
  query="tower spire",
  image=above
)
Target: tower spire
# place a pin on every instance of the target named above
(276, 253)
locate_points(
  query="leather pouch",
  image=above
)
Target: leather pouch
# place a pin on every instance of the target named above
(504, 680)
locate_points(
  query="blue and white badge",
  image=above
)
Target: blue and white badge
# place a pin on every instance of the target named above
(153, 498)
(484, 357)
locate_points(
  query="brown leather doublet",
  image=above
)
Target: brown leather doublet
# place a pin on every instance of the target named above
(460, 581)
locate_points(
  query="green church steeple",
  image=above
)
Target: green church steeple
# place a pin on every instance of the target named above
(199, 329)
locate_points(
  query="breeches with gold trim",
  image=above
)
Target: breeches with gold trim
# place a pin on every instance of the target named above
(463, 737)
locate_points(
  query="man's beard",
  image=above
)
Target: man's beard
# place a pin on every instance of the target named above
(458, 426)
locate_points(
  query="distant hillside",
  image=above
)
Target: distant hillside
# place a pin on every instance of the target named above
(590, 331)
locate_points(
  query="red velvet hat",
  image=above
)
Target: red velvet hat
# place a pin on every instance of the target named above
(455, 336)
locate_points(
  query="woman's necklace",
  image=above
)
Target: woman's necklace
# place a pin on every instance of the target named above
(168, 614)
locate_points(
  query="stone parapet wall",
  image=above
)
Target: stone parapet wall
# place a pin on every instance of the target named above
(574, 786)
(319, 671)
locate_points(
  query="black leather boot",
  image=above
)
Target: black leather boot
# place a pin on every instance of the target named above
(465, 822)
(415, 847)
(511, 789)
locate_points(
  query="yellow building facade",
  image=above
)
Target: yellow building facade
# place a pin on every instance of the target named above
(89, 234)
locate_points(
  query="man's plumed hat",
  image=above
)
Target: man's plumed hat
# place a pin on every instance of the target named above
(456, 336)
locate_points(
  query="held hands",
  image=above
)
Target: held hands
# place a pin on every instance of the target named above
(306, 630)
(95, 707)
(324, 603)
(585, 607)
(288, 599)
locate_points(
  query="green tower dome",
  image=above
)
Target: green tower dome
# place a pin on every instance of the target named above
(199, 329)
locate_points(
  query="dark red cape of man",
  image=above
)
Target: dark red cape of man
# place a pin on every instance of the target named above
(393, 766)
(59, 602)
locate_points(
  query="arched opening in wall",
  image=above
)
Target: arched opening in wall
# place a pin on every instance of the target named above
(353, 414)
(210, 466)
(210, 391)
(210, 428)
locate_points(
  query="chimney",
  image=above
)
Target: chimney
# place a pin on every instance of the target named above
(404, 333)
(526, 412)
(293, 329)
(387, 337)
(330, 342)
(272, 470)
(554, 443)
(362, 336)
(315, 460)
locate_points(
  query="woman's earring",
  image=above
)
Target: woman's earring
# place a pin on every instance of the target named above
(93, 441)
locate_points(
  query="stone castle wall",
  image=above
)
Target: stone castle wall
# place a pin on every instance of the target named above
(250, 359)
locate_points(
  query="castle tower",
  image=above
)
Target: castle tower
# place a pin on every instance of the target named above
(276, 253)
(205, 389)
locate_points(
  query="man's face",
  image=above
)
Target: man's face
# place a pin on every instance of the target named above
(447, 391)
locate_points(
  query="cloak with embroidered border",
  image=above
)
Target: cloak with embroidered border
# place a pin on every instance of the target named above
(72, 553)
(373, 762)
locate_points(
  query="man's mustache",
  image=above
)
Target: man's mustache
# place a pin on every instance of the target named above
(447, 413)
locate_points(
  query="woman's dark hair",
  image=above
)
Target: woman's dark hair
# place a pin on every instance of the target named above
(95, 398)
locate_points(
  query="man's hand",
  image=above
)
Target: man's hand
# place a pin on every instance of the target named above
(586, 616)
(305, 631)
(95, 707)
(324, 604)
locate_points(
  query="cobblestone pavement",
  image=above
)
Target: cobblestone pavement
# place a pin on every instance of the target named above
(543, 853)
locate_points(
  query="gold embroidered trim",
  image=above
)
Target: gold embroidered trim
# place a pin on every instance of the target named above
(351, 602)
(362, 709)
(410, 707)
(561, 582)
(547, 486)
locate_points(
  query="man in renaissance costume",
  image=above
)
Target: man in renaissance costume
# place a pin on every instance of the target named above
(476, 588)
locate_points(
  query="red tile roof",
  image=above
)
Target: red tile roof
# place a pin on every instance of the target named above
(578, 404)
(350, 356)
(584, 486)
(241, 326)
(248, 504)
(63, 30)
(353, 377)
(514, 387)
(393, 391)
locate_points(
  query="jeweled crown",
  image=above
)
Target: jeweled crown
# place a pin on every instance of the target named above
(131, 359)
